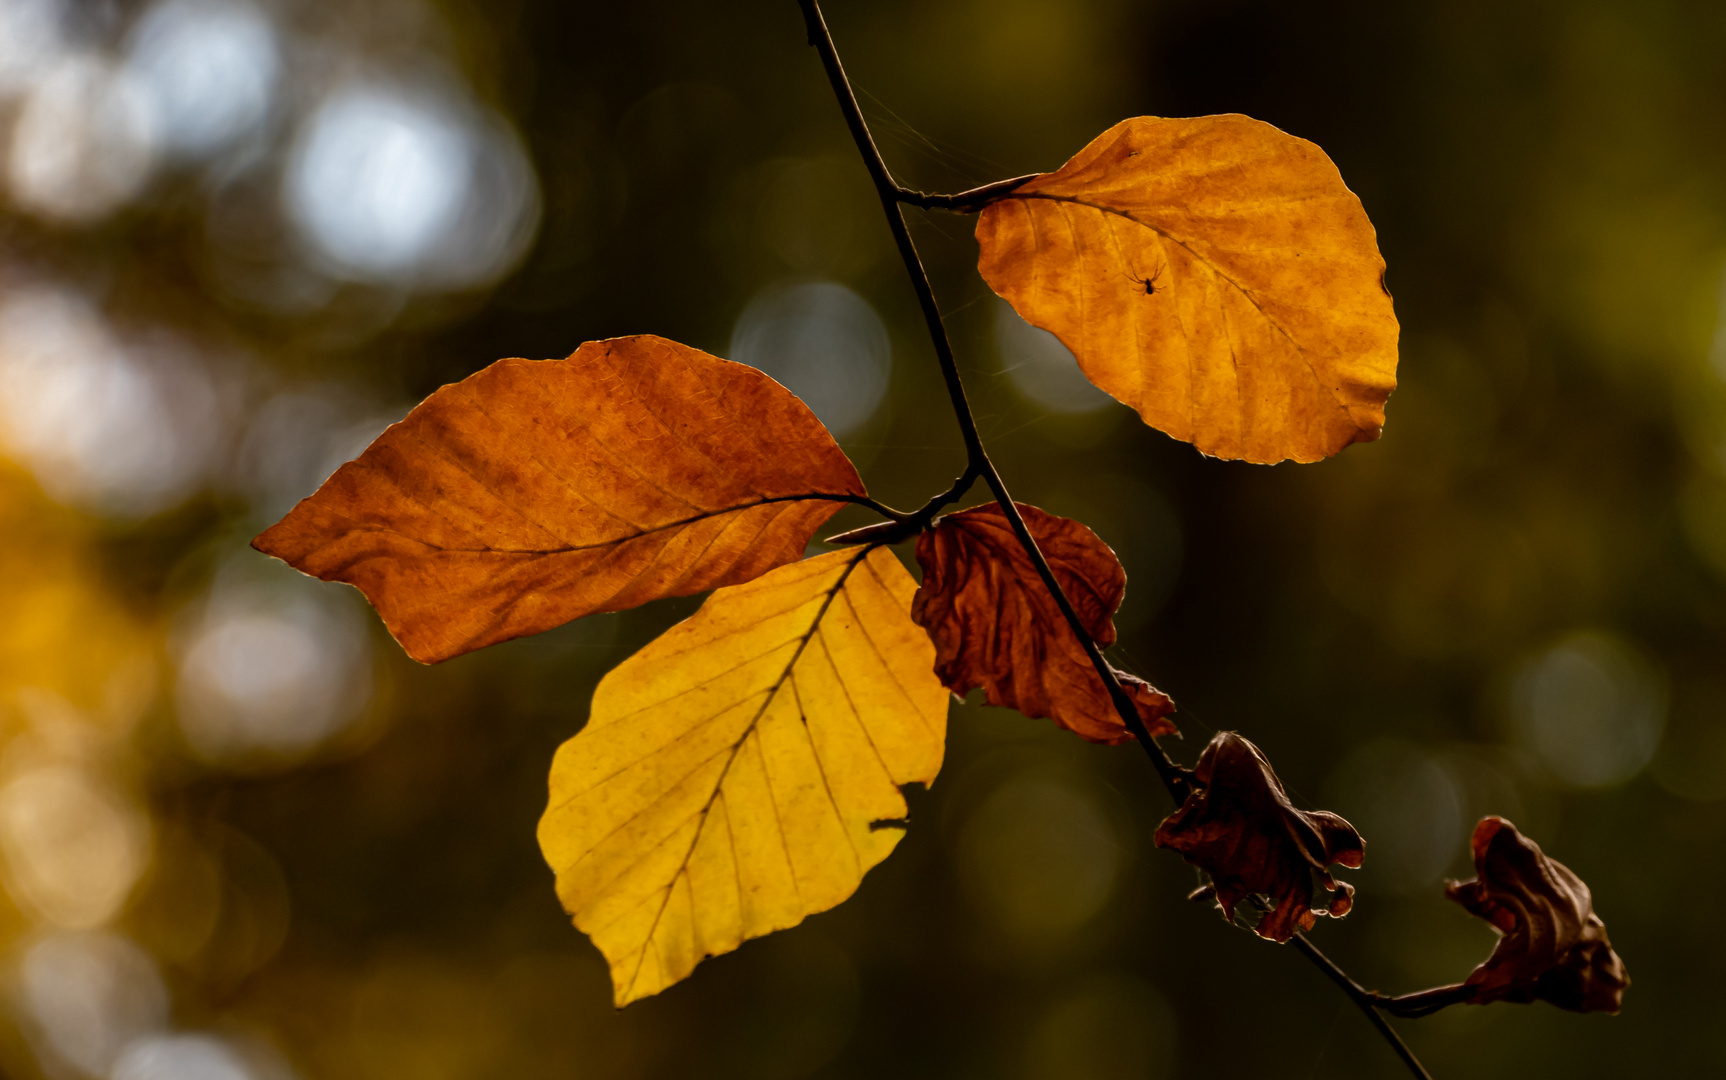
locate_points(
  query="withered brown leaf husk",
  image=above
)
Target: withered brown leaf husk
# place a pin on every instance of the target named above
(996, 626)
(1238, 826)
(1554, 946)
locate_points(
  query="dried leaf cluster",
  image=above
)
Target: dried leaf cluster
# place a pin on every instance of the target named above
(1239, 827)
(1552, 946)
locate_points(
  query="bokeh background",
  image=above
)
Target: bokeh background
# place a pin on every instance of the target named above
(242, 837)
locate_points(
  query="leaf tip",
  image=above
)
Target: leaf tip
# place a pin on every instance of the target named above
(269, 543)
(1369, 432)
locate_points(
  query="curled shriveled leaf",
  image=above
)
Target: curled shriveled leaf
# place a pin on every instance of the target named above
(996, 626)
(538, 491)
(742, 771)
(1554, 947)
(1215, 274)
(1238, 826)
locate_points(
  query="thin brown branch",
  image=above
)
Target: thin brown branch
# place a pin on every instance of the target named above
(1174, 778)
(1172, 775)
(1365, 1000)
(888, 191)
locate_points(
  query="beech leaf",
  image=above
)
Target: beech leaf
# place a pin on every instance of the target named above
(1215, 274)
(1239, 827)
(743, 770)
(996, 626)
(538, 491)
(1554, 947)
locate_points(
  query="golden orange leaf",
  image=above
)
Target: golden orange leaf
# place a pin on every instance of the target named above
(1215, 274)
(538, 491)
(742, 771)
(995, 625)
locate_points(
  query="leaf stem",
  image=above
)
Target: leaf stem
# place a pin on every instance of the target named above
(966, 202)
(879, 507)
(900, 525)
(978, 466)
(1423, 1002)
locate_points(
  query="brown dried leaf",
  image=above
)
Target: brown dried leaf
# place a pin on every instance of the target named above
(1238, 826)
(535, 492)
(1215, 274)
(995, 625)
(1554, 947)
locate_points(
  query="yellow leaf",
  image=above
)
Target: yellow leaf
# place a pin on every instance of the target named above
(742, 771)
(1215, 274)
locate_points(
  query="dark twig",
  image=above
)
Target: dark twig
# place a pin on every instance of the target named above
(1172, 775)
(1365, 1000)
(903, 526)
(978, 465)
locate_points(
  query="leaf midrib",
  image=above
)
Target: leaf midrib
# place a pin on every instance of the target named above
(1246, 293)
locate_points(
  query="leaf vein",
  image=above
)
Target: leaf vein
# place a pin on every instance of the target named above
(1245, 292)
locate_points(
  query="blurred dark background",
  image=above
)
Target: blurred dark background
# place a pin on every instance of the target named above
(242, 836)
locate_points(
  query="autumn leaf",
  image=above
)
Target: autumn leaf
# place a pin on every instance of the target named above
(995, 625)
(743, 770)
(1553, 946)
(1239, 827)
(1215, 274)
(535, 492)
